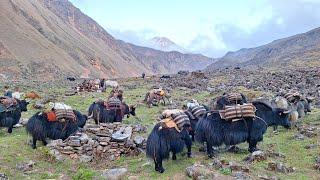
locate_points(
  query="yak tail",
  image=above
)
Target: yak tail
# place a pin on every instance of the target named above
(156, 146)
(146, 97)
(90, 111)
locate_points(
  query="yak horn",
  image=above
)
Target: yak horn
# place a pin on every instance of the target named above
(89, 117)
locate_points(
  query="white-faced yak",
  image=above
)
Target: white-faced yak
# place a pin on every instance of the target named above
(100, 113)
(10, 116)
(216, 131)
(41, 129)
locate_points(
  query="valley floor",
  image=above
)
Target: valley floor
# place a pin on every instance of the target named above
(15, 148)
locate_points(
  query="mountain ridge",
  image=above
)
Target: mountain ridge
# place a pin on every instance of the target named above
(54, 39)
(297, 50)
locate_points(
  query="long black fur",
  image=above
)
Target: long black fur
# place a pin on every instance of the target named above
(161, 142)
(41, 129)
(215, 131)
(100, 114)
(11, 118)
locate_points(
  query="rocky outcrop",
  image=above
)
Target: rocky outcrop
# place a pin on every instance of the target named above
(106, 141)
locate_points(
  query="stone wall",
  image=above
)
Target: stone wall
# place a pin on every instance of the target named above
(105, 141)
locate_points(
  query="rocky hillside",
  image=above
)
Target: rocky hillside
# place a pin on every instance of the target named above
(299, 50)
(48, 39)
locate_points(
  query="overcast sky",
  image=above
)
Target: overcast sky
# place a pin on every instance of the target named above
(210, 27)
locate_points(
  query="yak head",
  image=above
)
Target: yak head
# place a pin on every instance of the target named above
(307, 105)
(23, 104)
(282, 117)
(129, 110)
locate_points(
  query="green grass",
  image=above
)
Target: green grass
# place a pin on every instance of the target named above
(15, 150)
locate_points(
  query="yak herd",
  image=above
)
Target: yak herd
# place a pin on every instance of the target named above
(175, 129)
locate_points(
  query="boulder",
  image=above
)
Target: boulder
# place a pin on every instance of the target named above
(138, 140)
(114, 174)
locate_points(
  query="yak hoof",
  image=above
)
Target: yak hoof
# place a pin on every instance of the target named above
(174, 157)
(211, 155)
(189, 155)
(34, 147)
(253, 150)
(160, 170)
(10, 131)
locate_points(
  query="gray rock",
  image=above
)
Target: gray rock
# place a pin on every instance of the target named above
(280, 167)
(138, 140)
(114, 174)
(122, 135)
(57, 155)
(3, 176)
(74, 143)
(85, 158)
(25, 166)
(299, 137)
(256, 156)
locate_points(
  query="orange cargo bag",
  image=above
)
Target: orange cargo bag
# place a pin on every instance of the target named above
(51, 116)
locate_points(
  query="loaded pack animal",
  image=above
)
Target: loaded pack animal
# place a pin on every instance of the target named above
(32, 95)
(54, 125)
(154, 97)
(216, 130)
(228, 99)
(171, 134)
(10, 111)
(103, 112)
(195, 112)
(298, 105)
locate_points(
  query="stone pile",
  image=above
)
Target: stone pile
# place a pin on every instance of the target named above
(280, 167)
(104, 141)
(309, 131)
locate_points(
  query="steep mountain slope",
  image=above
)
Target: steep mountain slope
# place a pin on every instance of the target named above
(299, 50)
(47, 39)
(164, 44)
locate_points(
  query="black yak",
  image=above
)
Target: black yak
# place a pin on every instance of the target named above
(215, 131)
(223, 101)
(41, 129)
(12, 116)
(194, 118)
(162, 141)
(99, 113)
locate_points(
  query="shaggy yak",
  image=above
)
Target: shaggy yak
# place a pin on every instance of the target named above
(194, 118)
(215, 131)
(40, 128)
(162, 141)
(99, 113)
(10, 118)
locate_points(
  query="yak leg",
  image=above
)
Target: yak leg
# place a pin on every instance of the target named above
(44, 142)
(188, 143)
(192, 135)
(10, 129)
(34, 143)
(174, 156)
(158, 165)
(210, 150)
(253, 146)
